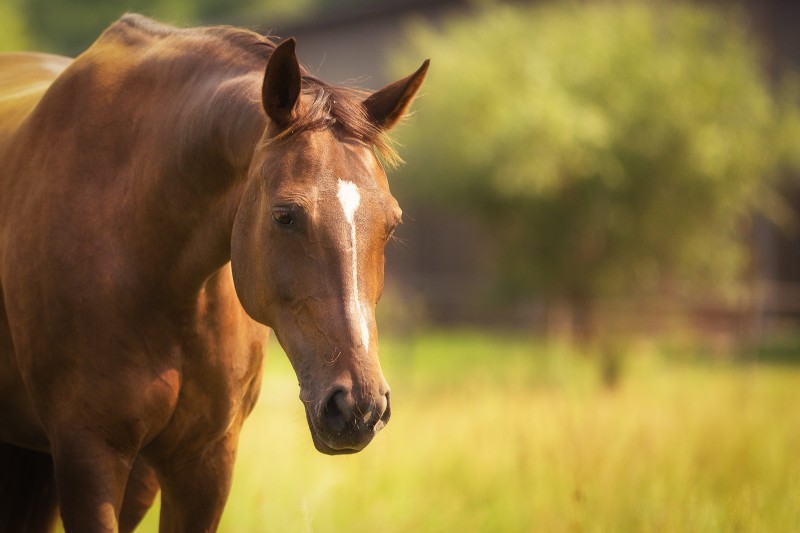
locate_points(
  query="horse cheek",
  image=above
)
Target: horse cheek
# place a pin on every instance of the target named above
(249, 261)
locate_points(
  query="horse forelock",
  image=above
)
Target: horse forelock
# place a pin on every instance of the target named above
(340, 109)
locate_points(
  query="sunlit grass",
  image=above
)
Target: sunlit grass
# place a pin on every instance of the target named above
(491, 433)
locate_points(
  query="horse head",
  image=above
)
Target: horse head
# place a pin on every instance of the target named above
(307, 248)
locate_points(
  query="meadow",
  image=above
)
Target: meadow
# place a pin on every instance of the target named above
(498, 433)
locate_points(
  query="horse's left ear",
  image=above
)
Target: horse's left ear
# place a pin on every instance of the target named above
(388, 105)
(282, 82)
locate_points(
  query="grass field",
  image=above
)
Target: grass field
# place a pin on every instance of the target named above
(494, 433)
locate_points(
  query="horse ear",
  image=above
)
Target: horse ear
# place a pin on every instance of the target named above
(282, 82)
(388, 105)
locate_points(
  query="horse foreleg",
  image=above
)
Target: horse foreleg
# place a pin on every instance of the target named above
(139, 495)
(90, 480)
(195, 489)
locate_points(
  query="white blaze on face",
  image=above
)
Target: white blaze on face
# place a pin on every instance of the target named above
(350, 199)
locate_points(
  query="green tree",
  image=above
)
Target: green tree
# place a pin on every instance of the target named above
(610, 148)
(13, 32)
(70, 26)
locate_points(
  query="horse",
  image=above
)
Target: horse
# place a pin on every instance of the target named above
(167, 199)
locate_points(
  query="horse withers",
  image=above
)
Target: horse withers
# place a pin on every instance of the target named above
(163, 198)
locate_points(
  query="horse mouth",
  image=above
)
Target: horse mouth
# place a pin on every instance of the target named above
(328, 444)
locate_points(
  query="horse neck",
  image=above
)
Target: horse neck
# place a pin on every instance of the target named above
(182, 137)
(215, 135)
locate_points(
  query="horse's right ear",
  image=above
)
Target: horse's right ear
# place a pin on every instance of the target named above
(282, 81)
(387, 106)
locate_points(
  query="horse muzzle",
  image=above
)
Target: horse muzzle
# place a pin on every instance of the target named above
(344, 422)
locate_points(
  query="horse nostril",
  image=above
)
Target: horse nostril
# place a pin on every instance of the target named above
(342, 413)
(383, 412)
(336, 411)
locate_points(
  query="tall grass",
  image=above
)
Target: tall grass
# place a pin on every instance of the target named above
(492, 433)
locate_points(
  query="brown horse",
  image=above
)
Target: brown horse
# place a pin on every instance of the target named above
(152, 191)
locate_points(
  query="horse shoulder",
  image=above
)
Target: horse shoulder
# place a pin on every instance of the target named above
(223, 352)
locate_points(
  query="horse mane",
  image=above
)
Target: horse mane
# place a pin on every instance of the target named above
(326, 106)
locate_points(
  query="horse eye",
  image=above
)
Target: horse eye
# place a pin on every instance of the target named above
(283, 217)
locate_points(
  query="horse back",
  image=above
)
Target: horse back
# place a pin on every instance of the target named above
(24, 78)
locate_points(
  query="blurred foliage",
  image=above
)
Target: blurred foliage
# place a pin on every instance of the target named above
(496, 433)
(609, 148)
(13, 31)
(70, 26)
